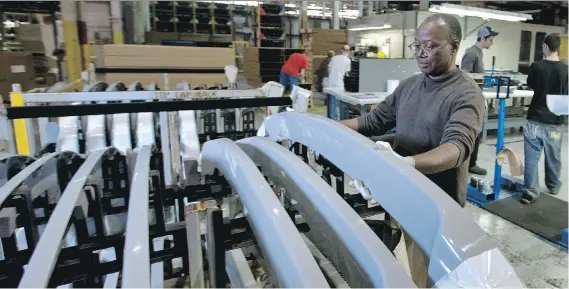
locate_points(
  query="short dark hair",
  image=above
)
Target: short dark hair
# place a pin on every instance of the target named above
(455, 31)
(553, 42)
(485, 38)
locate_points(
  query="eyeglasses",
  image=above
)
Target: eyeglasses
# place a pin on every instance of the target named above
(430, 49)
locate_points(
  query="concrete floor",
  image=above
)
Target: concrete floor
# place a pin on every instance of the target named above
(538, 262)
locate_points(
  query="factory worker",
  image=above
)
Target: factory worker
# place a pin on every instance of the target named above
(293, 70)
(438, 115)
(473, 62)
(544, 129)
(338, 67)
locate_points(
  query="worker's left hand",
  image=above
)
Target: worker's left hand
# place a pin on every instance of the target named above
(387, 147)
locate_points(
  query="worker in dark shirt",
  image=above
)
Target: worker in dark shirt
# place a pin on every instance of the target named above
(322, 72)
(543, 129)
(438, 113)
(473, 62)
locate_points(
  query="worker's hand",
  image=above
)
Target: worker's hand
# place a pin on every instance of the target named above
(387, 147)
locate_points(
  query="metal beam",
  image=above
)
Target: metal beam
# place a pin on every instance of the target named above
(136, 260)
(348, 241)
(44, 257)
(446, 232)
(281, 242)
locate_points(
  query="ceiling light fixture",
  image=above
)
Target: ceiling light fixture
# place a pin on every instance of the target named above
(366, 27)
(487, 14)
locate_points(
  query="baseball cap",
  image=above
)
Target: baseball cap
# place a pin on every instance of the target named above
(486, 31)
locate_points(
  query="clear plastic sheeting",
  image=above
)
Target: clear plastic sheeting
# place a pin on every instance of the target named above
(487, 270)
(121, 132)
(145, 129)
(95, 137)
(558, 104)
(68, 139)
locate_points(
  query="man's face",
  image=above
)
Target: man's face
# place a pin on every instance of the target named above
(488, 42)
(435, 52)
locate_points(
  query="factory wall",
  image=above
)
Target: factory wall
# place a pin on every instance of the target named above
(97, 18)
(506, 46)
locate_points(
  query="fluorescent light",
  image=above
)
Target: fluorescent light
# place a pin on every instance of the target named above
(461, 11)
(365, 27)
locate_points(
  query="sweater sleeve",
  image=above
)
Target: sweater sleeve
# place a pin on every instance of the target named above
(465, 124)
(380, 119)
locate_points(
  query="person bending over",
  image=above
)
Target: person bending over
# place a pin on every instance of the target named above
(293, 70)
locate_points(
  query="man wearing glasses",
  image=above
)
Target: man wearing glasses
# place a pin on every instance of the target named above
(438, 114)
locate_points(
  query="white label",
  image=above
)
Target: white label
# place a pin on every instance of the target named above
(18, 68)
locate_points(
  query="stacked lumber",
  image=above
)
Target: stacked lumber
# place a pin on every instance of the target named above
(148, 63)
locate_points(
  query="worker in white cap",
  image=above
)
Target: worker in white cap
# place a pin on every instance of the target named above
(473, 62)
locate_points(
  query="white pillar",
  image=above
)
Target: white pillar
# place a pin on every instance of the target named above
(302, 15)
(424, 5)
(335, 14)
(361, 7)
(369, 8)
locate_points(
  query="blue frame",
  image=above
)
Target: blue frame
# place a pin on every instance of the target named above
(498, 193)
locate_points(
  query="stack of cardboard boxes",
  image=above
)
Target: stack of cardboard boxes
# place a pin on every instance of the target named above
(16, 67)
(29, 35)
(148, 63)
(252, 67)
(318, 42)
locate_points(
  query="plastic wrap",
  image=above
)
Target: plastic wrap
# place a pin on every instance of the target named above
(189, 135)
(487, 270)
(145, 129)
(121, 132)
(68, 139)
(558, 104)
(95, 137)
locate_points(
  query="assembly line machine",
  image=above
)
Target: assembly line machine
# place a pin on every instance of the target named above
(136, 187)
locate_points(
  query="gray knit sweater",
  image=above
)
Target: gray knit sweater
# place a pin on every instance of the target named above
(428, 113)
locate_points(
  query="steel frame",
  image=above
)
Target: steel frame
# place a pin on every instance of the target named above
(446, 233)
(341, 234)
(282, 245)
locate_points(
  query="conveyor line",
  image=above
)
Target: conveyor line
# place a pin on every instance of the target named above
(446, 233)
(341, 234)
(291, 262)
(73, 200)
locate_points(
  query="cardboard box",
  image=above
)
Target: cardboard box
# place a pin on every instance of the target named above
(16, 67)
(33, 46)
(28, 32)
